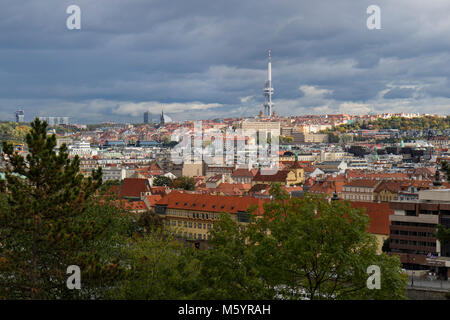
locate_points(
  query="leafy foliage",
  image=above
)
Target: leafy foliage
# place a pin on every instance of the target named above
(51, 222)
(300, 248)
(446, 167)
(442, 234)
(186, 183)
(13, 132)
(159, 267)
(162, 181)
(401, 123)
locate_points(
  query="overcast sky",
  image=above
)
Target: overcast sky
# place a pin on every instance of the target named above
(202, 59)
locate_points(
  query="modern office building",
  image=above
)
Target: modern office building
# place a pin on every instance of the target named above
(412, 231)
(148, 117)
(53, 121)
(20, 116)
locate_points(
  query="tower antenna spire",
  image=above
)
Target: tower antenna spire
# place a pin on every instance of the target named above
(268, 90)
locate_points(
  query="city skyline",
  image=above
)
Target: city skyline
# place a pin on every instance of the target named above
(211, 62)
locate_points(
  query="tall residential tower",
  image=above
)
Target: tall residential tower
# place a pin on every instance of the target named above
(268, 90)
(20, 116)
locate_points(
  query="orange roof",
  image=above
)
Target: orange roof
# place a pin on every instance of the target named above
(210, 203)
(327, 187)
(130, 205)
(391, 186)
(362, 183)
(153, 199)
(378, 214)
(132, 187)
(158, 190)
(244, 173)
(280, 176)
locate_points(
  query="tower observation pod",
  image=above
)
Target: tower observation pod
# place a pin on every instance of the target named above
(268, 90)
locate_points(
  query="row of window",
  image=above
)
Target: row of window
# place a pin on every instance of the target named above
(194, 236)
(413, 224)
(179, 223)
(357, 197)
(190, 214)
(356, 189)
(412, 233)
(414, 243)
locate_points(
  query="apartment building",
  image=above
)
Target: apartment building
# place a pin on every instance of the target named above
(413, 227)
(288, 177)
(192, 216)
(360, 190)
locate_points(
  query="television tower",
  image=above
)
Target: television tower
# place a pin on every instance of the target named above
(268, 90)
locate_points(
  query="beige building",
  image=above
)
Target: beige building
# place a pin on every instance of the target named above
(192, 216)
(193, 169)
(360, 190)
(260, 125)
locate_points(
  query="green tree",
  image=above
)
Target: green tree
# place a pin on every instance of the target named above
(446, 167)
(299, 248)
(162, 181)
(333, 138)
(230, 269)
(386, 247)
(159, 267)
(442, 234)
(186, 183)
(52, 222)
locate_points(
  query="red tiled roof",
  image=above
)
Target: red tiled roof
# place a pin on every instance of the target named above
(391, 186)
(280, 176)
(244, 173)
(210, 203)
(362, 183)
(131, 205)
(153, 199)
(327, 187)
(378, 214)
(132, 187)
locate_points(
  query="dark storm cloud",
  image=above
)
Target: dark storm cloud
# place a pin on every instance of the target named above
(399, 93)
(210, 57)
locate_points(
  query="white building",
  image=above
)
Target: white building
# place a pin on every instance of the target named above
(82, 149)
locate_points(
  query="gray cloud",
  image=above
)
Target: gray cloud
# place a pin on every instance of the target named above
(213, 54)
